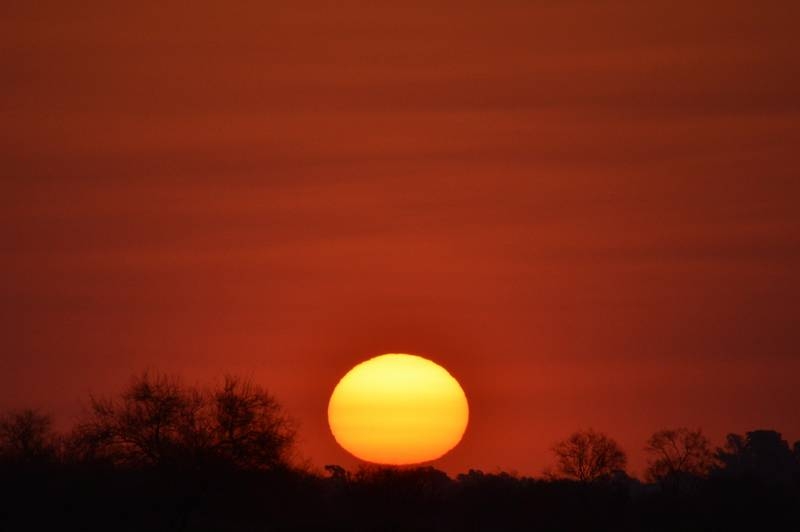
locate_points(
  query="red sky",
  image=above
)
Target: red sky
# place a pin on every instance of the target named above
(587, 211)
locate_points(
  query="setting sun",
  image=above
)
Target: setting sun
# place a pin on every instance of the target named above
(398, 409)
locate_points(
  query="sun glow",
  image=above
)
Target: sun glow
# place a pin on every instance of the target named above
(398, 409)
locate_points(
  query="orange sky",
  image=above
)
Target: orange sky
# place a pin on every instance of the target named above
(586, 211)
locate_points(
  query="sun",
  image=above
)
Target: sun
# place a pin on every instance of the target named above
(398, 409)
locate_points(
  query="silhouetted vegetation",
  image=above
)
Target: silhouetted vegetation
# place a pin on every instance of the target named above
(679, 458)
(589, 456)
(26, 438)
(158, 421)
(166, 456)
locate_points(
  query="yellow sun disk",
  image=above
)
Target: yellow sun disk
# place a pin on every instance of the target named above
(398, 409)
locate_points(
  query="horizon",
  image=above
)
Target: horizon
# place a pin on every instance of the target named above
(637, 461)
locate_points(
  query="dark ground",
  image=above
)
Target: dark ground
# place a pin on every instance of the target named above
(59, 497)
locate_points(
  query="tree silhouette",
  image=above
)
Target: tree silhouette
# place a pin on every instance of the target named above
(762, 454)
(588, 456)
(157, 421)
(677, 456)
(146, 425)
(248, 426)
(26, 436)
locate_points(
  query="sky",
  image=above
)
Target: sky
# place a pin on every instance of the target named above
(587, 211)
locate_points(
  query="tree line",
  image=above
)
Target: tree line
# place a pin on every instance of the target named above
(162, 455)
(159, 422)
(678, 458)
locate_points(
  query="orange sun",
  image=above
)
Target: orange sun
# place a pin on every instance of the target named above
(398, 409)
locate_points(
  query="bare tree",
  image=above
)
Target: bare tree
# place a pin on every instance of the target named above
(677, 455)
(143, 426)
(158, 421)
(26, 435)
(588, 456)
(249, 428)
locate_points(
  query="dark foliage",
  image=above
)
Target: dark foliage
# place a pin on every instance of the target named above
(164, 456)
(762, 455)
